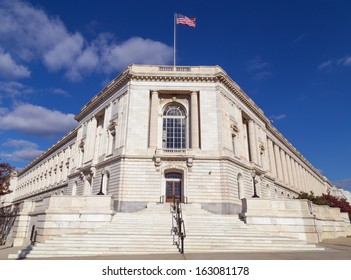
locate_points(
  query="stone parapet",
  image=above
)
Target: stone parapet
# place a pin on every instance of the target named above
(296, 218)
(59, 215)
(21, 227)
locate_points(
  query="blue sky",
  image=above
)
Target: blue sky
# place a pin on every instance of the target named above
(293, 58)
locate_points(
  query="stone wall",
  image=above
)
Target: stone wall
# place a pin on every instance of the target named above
(8, 217)
(58, 215)
(296, 218)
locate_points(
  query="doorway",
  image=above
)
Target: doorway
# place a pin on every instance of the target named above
(173, 186)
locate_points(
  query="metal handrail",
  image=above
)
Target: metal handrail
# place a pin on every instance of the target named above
(178, 226)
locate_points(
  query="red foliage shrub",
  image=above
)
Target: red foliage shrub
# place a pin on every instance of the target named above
(327, 199)
(333, 201)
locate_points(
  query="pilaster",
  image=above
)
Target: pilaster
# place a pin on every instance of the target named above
(271, 158)
(278, 162)
(194, 121)
(252, 142)
(153, 119)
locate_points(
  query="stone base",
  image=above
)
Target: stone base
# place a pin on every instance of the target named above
(296, 218)
(58, 215)
(222, 208)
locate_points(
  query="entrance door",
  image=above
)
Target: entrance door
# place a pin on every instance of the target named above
(173, 190)
(173, 186)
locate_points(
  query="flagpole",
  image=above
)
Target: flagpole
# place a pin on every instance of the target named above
(174, 40)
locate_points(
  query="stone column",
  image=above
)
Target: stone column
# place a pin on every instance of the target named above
(278, 162)
(271, 158)
(293, 172)
(98, 136)
(153, 119)
(302, 179)
(252, 142)
(307, 187)
(297, 171)
(91, 140)
(194, 121)
(312, 183)
(288, 165)
(285, 170)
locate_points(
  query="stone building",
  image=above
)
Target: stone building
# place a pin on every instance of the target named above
(159, 132)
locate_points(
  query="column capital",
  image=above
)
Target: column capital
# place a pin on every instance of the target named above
(194, 93)
(154, 92)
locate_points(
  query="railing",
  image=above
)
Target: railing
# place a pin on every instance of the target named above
(171, 151)
(172, 68)
(178, 227)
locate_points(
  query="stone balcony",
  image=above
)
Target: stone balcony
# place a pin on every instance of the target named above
(174, 154)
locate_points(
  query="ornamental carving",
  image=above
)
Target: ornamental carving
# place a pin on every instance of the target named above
(189, 162)
(262, 148)
(112, 128)
(234, 128)
(81, 145)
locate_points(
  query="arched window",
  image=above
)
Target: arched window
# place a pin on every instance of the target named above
(174, 128)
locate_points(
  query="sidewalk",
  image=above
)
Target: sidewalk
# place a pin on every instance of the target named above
(335, 249)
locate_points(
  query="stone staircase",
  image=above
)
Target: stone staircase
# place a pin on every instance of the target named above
(149, 232)
(207, 232)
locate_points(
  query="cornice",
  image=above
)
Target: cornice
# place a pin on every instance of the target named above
(40, 192)
(172, 78)
(62, 142)
(112, 87)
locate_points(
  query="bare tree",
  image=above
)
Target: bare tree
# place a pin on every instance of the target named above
(6, 171)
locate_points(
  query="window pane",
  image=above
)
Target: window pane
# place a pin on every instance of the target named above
(174, 132)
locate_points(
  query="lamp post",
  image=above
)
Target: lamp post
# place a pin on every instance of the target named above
(102, 182)
(253, 175)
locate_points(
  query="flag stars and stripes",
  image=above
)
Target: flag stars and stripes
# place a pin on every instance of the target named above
(185, 20)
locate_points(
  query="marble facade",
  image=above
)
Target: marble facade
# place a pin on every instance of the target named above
(159, 132)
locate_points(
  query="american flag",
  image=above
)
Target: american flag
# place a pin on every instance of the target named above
(185, 20)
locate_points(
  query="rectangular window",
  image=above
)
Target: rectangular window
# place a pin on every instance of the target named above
(234, 143)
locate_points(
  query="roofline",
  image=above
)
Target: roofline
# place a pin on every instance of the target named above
(60, 143)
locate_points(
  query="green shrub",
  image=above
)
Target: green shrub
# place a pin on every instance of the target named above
(327, 199)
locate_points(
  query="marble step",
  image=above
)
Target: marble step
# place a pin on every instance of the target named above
(149, 232)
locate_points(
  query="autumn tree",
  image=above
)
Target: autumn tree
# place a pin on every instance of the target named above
(5, 176)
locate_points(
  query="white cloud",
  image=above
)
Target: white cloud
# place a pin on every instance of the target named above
(333, 64)
(19, 143)
(135, 50)
(277, 117)
(24, 150)
(14, 89)
(36, 120)
(346, 61)
(326, 65)
(261, 75)
(28, 29)
(259, 68)
(26, 154)
(64, 52)
(58, 91)
(300, 38)
(257, 64)
(344, 184)
(10, 69)
(28, 33)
